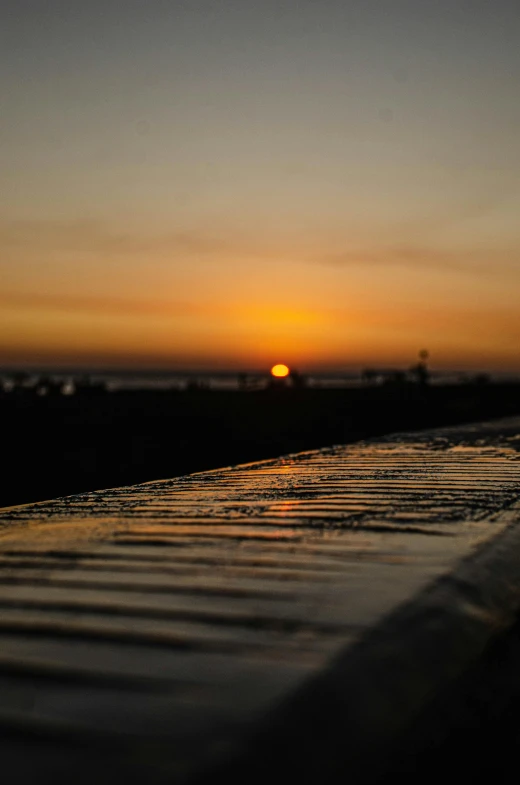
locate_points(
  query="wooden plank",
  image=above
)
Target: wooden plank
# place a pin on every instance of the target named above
(171, 617)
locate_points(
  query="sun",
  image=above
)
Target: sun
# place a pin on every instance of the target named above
(280, 371)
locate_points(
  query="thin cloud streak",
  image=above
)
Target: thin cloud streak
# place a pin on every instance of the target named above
(99, 239)
(96, 237)
(109, 305)
(479, 261)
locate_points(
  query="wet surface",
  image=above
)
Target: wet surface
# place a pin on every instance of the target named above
(181, 611)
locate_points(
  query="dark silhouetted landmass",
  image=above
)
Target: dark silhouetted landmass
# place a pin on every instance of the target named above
(57, 444)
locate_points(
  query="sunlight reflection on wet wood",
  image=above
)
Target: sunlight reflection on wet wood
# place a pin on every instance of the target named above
(182, 610)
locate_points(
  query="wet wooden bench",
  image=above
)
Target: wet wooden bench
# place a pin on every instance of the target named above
(301, 609)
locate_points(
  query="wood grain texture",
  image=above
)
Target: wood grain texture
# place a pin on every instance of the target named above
(145, 631)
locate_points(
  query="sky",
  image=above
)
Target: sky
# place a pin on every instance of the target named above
(226, 184)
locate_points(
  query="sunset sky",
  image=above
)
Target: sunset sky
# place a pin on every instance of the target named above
(226, 184)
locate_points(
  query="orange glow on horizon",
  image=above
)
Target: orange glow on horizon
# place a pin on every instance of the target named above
(120, 329)
(280, 371)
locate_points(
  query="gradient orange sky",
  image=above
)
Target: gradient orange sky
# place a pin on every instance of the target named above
(228, 185)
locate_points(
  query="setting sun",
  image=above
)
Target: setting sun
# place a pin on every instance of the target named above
(280, 371)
